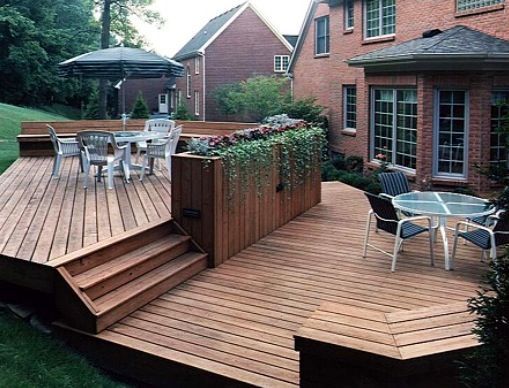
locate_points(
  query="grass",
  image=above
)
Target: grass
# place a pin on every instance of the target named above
(31, 359)
(10, 124)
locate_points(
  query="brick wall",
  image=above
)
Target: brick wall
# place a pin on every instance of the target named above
(150, 88)
(196, 86)
(324, 77)
(245, 49)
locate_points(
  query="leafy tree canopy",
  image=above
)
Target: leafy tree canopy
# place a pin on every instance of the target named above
(34, 37)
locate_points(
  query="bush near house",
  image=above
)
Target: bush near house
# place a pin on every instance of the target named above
(140, 108)
(181, 113)
(262, 96)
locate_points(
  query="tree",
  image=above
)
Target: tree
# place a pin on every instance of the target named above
(117, 27)
(34, 38)
(257, 97)
(140, 108)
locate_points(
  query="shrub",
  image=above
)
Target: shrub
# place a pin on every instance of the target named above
(306, 109)
(181, 113)
(140, 108)
(92, 107)
(487, 367)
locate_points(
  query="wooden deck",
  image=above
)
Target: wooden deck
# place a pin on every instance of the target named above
(239, 320)
(42, 218)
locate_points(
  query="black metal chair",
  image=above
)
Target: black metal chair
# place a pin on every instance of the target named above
(387, 219)
(484, 237)
(393, 184)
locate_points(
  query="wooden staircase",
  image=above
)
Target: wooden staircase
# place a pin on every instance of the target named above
(100, 285)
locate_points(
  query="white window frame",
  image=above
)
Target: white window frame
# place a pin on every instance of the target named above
(282, 67)
(497, 146)
(345, 106)
(349, 6)
(469, 5)
(188, 82)
(172, 99)
(196, 103)
(179, 97)
(326, 36)
(436, 135)
(197, 65)
(381, 24)
(394, 126)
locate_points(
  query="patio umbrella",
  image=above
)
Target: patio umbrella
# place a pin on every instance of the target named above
(120, 63)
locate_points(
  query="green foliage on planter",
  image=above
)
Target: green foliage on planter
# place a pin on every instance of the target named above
(140, 108)
(249, 156)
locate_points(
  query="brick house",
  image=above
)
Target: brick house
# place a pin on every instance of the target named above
(234, 46)
(420, 82)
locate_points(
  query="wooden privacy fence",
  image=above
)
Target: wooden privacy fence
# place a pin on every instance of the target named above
(224, 220)
(34, 139)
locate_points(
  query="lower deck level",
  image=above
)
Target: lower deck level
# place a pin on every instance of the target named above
(235, 324)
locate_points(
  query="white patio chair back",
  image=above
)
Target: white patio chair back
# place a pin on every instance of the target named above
(159, 125)
(95, 144)
(95, 152)
(161, 150)
(63, 148)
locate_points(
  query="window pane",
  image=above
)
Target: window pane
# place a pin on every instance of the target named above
(406, 128)
(451, 132)
(349, 14)
(380, 17)
(322, 35)
(464, 5)
(499, 121)
(350, 107)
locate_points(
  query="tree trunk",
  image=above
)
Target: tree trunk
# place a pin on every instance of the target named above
(105, 43)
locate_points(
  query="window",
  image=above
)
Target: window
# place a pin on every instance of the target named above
(196, 103)
(394, 126)
(379, 18)
(499, 120)
(197, 65)
(179, 97)
(466, 5)
(322, 35)
(281, 63)
(350, 106)
(172, 99)
(451, 129)
(188, 82)
(349, 14)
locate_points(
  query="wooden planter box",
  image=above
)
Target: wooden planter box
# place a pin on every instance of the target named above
(224, 224)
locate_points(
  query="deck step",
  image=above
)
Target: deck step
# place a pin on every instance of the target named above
(112, 274)
(125, 299)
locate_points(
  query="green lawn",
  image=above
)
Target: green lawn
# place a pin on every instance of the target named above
(10, 119)
(27, 357)
(31, 359)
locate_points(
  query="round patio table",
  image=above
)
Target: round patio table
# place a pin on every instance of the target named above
(130, 137)
(440, 206)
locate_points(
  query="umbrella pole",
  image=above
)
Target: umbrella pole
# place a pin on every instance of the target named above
(124, 116)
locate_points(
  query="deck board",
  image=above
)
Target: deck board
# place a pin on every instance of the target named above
(42, 218)
(258, 299)
(238, 320)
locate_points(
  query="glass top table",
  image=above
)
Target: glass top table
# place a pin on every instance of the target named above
(439, 206)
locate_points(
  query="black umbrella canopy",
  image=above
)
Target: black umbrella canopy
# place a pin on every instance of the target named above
(119, 63)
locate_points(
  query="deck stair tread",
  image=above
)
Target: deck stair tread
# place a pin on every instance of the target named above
(128, 261)
(145, 282)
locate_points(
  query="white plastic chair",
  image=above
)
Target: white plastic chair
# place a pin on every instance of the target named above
(63, 149)
(163, 126)
(95, 151)
(161, 149)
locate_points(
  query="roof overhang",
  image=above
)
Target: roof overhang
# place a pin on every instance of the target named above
(434, 62)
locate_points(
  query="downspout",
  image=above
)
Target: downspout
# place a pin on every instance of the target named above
(204, 91)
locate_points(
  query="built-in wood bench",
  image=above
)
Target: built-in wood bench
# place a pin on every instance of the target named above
(34, 139)
(373, 348)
